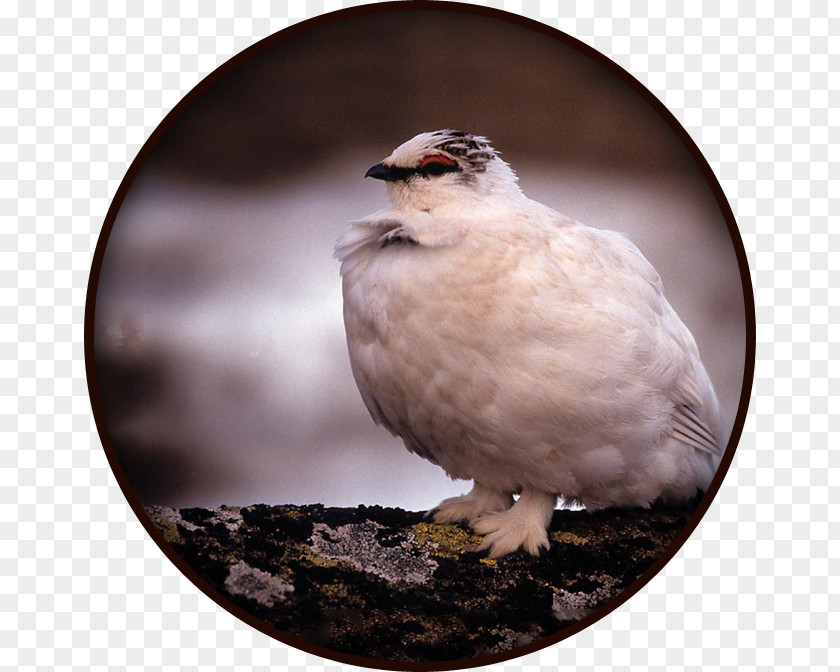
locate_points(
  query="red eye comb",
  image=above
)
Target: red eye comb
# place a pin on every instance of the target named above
(437, 158)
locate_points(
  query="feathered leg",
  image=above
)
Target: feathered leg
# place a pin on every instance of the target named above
(479, 501)
(524, 525)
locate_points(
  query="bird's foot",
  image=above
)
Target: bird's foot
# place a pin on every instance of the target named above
(523, 526)
(478, 502)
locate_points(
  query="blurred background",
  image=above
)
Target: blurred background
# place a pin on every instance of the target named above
(219, 343)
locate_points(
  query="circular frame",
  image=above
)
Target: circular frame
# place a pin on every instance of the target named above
(637, 87)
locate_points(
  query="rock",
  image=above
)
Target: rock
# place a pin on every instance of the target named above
(390, 585)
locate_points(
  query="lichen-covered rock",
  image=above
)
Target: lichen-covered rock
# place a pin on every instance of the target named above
(260, 586)
(357, 544)
(390, 585)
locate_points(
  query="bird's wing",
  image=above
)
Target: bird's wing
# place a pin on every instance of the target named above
(690, 429)
(621, 285)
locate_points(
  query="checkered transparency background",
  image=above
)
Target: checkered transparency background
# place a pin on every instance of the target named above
(83, 84)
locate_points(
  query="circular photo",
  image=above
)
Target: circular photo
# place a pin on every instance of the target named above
(420, 337)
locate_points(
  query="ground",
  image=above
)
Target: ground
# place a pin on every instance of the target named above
(390, 585)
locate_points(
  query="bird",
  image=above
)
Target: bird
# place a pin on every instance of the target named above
(519, 349)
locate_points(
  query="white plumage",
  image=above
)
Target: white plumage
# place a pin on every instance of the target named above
(518, 348)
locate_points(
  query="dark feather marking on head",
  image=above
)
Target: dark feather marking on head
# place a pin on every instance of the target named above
(474, 150)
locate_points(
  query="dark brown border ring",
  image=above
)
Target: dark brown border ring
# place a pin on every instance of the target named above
(421, 5)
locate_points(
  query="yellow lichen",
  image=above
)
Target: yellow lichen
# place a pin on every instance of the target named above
(444, 541)
(569, 538)
(317, 560)
(167, 527)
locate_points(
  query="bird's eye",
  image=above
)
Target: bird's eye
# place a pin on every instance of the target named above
(437, 164)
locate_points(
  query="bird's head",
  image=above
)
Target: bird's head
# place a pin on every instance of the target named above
(442, 168)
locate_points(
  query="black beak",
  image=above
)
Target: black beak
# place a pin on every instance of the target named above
(382, 172)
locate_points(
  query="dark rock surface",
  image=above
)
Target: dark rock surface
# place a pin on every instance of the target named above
(390, 585)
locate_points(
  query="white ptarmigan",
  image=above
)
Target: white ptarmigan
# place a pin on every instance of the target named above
(518, 348)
